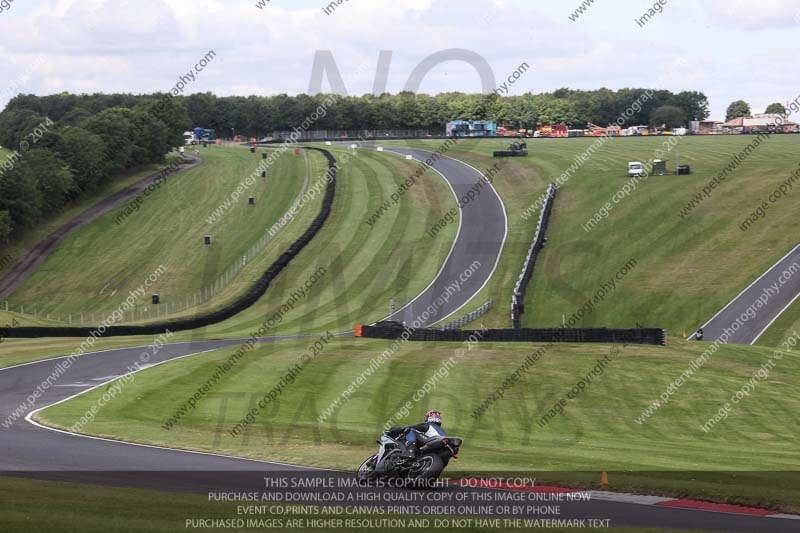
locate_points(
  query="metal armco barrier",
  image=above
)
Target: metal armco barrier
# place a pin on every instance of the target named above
(653, 336)
(521, 288)
(258, 289)
(466, 319)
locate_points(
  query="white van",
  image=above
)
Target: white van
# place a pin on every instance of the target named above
(635, 169)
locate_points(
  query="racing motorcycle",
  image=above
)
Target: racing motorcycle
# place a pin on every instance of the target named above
(426, 466)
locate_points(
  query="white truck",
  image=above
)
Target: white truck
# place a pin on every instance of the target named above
(635, 169)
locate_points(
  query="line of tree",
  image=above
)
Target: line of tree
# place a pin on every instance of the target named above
(740, 108)
(76, 145)
(257, 116)
(96, 137)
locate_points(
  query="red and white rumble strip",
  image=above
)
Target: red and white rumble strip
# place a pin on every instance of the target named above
(622, 497)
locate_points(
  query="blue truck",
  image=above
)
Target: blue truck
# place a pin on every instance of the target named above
(198, 135)
(471, 128)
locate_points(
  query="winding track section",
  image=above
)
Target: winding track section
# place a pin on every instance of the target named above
(481, 235)
(53, 454)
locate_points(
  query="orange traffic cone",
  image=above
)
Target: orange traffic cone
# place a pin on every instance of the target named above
(604, 478)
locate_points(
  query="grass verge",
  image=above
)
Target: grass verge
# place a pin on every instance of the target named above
(712, 257)
(100, 264)
(749, 458)
(28, 238)
(363, 267)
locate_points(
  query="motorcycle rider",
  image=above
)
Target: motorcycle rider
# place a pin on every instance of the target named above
(432, 427)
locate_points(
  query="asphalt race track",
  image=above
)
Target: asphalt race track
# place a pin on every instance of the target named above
(481, 236)
(766, 298)
(30, 449)
(35, 451)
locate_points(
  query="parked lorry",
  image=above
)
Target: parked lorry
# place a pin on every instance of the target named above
(553, 130)
(199, 135)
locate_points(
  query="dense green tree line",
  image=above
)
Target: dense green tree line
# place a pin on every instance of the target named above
(258, 116)
(95, 137)
(262, 115)
(67, 146)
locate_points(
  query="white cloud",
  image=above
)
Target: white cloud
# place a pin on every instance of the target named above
(754, 15)
(145, 45)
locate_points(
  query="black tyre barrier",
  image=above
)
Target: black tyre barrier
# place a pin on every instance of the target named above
(258, 289)
(653, 336)
(521, 288)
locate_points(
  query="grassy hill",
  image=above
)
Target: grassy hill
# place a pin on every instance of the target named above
(713, 257)
(750, 457)
(101, 263)
(364, 267)
(687, 268)
(28, 238)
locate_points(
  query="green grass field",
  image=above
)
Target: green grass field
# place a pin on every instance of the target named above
(365, 267)
(30, 237)
(101, 263)
(72, 507)
(715, 258)
(783, 328)
(751, 457)
(687, 268)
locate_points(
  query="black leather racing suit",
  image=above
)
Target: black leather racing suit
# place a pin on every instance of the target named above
(426, 428)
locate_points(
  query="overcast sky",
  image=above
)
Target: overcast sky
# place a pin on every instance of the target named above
(728, 49)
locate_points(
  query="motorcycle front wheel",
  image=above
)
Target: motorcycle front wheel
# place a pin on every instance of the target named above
(366, 469)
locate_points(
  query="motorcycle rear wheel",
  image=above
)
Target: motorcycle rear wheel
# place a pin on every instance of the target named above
(426, 468)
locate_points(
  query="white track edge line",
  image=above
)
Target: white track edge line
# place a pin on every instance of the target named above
(28, 418)
(780, 313)
(260, 340)
(452, 246)
(746, 288)
(70, 355)
(502, 244)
